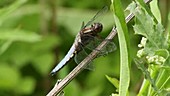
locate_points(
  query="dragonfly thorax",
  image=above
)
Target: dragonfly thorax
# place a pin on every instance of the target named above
(97, 27)
(93, 30)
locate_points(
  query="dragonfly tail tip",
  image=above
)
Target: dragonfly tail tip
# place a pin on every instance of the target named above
(52, 73)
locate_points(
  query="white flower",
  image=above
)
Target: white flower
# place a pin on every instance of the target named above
(156, 59)
(140, 53)
(113, 94)
(143, 42)
(150, 59)
(140, 45)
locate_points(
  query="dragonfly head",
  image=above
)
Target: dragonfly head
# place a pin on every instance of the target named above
(97, 27)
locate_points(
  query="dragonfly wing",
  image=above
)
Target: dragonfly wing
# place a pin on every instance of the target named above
(82, 26)
(93, 43)
(96, 17)
(110, 47)
(80, 56)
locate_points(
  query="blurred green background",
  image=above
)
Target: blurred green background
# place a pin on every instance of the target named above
(36, 34)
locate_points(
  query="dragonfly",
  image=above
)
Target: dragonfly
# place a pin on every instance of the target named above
(86, 37)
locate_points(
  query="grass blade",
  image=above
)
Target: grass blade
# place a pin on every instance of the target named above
(123, 43)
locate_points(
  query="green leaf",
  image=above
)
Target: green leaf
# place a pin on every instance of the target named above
(163, 79)
(142, 4)
(8, 36)
(155, 10)
(162, 52)
(4, 13)
(124, 46)
(19, 35)
(114, 81)
(146, 26)
(26, 86)
(140, 65)
(9, 77)
(4, 45)
(156, 45)
(164, 92)
(42, 63)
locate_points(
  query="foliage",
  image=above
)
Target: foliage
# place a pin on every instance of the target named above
(122, 32)
(19, 48)
(153, 57)
(155, 51)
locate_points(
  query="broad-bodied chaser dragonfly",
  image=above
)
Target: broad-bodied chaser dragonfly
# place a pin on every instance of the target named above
(83, 39)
